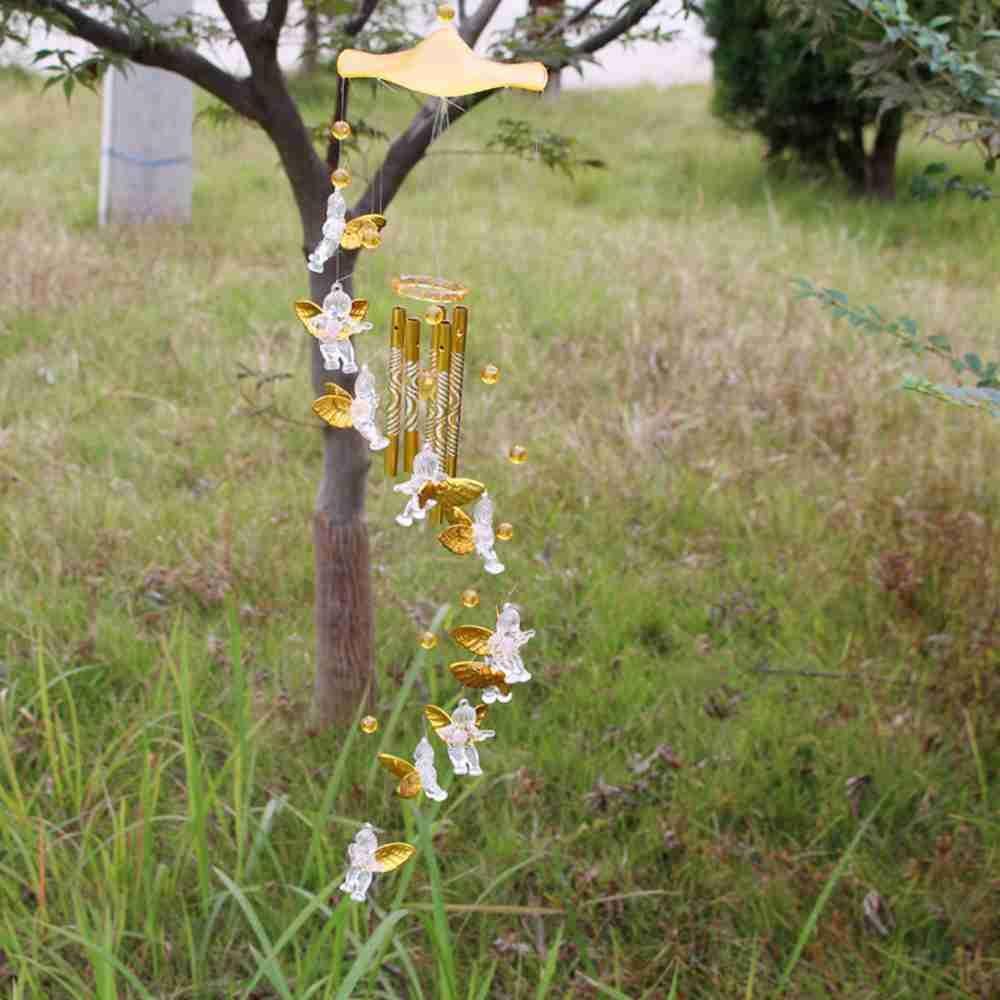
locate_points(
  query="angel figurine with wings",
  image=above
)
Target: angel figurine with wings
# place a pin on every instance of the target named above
(340, 409)
(460, 732)
(420, 776)
(426, 469)
(365, 858)
(473, 534)
(503, 665)
(333, 324)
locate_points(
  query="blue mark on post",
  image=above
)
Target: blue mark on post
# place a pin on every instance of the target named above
(138, 161)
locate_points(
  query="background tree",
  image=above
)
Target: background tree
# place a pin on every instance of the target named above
(772, 77)
(944, 68)
(121, 32)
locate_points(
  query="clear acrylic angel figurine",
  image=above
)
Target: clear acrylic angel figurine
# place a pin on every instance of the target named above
(503, 645)
(340, 409)
(420, 776)
(426, 469)
(333, 324)
(333, 229)
(482, 531)
(365, 858)
(460, 732)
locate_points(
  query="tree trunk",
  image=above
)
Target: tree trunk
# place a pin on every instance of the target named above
(344, 612)
(880, 164)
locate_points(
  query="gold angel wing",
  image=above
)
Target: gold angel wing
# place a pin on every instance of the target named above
(307, 311)
(477, 675)
(458, 539)
(442, 65)
(452, 492)
(474, 638)
(456, 515)
(390, 856)
(437, 717)
(335, 408)
(351, 238)
(359, 308)
(396, 765)
(481, 712)
(409, 787)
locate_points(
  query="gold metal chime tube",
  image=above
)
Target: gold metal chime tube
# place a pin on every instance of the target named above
(442, 366)
(411, 358)
(453, 421)
(430, 396)
(394, 410)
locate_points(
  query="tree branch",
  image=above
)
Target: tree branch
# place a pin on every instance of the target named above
(472, 27)
(277, 11)
(162, 55)
(356, 23)
(238, 16)
(612, 31)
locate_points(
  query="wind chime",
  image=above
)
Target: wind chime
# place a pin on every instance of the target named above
(442, 66)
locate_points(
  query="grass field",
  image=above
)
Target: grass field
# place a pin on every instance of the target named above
(764, 583)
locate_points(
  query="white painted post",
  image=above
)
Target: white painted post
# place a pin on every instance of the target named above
(146, 148)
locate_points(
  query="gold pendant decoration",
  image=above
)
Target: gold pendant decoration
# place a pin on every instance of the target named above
(342, 410)
(441, 65)
(450, 493)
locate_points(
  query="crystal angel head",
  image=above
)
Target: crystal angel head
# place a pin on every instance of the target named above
(365, 858)
(485, 539)
(460, 732)
(426, 469)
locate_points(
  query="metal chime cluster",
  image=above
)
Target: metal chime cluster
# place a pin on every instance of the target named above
(423, 427)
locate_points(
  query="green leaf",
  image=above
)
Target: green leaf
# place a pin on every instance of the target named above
(974, 363)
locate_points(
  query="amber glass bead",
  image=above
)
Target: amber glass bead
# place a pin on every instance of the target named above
(490, 374)
(518, 454)
(340, 130)
(369, 724)
(445, 12)
(428, 640)
(434, 315)
(341, 177)
(370, 238)
(470, 598)
(505, 531)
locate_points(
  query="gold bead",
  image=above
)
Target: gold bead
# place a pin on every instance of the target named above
(341, 177)
(370, 237)
(340, 130)
(490, 374)
(428, 640)
(505, 531)
(445, 12)
(470, 598)
(518, 454)
(369, 725)
(351, 240)
(426, 384)
(434, 315)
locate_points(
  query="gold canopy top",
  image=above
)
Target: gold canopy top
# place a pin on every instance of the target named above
(442, 65)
